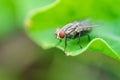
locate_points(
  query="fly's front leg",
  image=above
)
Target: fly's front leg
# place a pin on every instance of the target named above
(65, 43)
(89, 39)
(79, 39)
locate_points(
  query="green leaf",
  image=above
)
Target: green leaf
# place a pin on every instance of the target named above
(41, 25)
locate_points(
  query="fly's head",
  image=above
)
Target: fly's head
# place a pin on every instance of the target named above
(60, 34)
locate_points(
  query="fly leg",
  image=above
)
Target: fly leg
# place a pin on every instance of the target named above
(79, 40)
(89, 39)
(65, 43)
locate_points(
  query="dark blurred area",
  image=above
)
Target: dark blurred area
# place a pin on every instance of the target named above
(20, 58)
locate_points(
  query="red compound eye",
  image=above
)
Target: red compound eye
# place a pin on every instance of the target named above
(62, 34)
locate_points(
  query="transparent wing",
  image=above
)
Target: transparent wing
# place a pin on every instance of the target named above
(85, 22)
(84, 25)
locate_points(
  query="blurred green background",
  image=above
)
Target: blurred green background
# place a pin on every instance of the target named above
(19, 56)
(22, 59)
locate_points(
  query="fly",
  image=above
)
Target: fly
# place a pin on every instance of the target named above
(73, 30)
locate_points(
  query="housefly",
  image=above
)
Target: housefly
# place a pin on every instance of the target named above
(73, 30)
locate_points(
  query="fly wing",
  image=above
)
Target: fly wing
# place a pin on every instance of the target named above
(85, 22)
(78, 26)
(85, 26)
